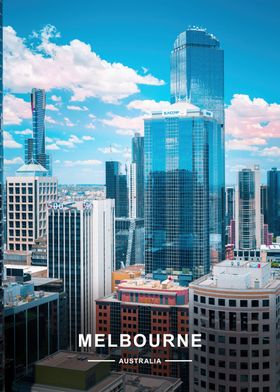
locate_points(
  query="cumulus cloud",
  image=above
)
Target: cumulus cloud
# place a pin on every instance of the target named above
(88, 162)
(51, 107)
(273, 152)
(71, 142)
(15, 110)
(24, 132)
(14, 161)
(115, 149)
(56, 98)
(77, 108)
(250, 118)
(9, 141)
(73, 66)
(148, 105)
(68, 122)
(245, 144)
(124, 125)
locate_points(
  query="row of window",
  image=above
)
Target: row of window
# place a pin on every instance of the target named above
(243, 303)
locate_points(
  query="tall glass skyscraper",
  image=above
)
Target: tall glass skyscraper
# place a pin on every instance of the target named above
(116, 188)
(273, 198)
(1, 210)
(138, 159)
(177, 178)
(197, 76)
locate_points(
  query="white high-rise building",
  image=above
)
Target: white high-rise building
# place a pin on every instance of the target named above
(236, 309)
(28, 195)
(81, 251)
(248, 225)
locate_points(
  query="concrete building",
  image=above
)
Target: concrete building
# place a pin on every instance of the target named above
(28, 196)
(236, 309)
(81, 251)
(248, 217)
(145, 306)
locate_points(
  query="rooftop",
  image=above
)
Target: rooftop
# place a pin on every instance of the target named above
(31, 169)
(240, 275)
(151, 285)
(180, 109)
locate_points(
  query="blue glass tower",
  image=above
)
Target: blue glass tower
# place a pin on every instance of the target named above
(1, 208)
(273, 198)
(116, 188)
(138, 159)
(177, 177)
(197, 76)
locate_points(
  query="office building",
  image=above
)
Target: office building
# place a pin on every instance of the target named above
(138, 160)
(28, 196)
(144, 306)
(264, 203)
(197, 76)
(117, 188)
(230, 204)
(39, 252)
(236, 310)
(128, 273)
(248, 218)
(1, 205)
(129, 237)
(178, 174)
(28, 150)
(273, 201)
(34, 327)
(197, 71)
(81, 252)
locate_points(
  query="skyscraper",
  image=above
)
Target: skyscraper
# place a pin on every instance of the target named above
(35, 147)
(81, 252)
(230, 204)
(264, 202)
(177, 176)
(197, 76)
(116, 188)
(138, 160)
(273, 197)
(28, 196)
(1, 209)
(248, 226)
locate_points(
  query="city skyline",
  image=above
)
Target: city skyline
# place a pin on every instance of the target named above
(89, 123)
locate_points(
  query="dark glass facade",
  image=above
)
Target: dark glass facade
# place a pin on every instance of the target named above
(116, 188)
(129, 241)
(197, 76)
(273, 196)
(264, 202)
(177, 186)
(138, 159)
(28, 149)
(1, 210)
(230, 204)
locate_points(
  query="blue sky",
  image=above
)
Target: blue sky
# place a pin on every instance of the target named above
(110, 60)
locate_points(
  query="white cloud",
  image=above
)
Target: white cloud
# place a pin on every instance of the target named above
(9, 141)
(50, 120)
(70, 66)
(273, 152)
(245, 144)
(124, 125)
(52, 147)
(51, 107)
(14, 161)
(90, 126)
(77, 108)
(87, 138)
(250, 118)
(24, 132)
(15, 110)
(116, 149)
(68, 122)
(56, 98)
(148, 105)
(89, 162)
